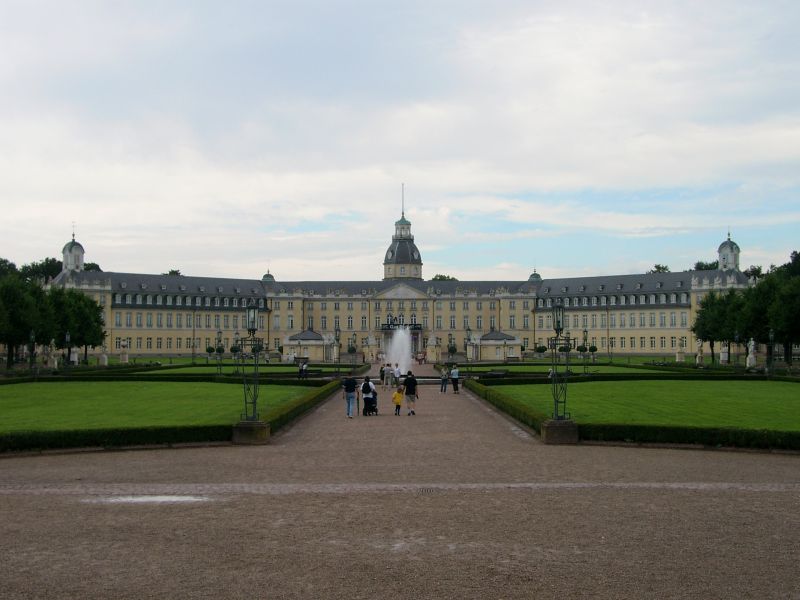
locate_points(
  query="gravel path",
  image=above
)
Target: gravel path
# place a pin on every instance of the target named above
(455, 502)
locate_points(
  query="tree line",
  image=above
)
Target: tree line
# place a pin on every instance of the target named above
(771, 305)
(27, 309)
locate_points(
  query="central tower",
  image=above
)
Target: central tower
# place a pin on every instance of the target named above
(402, 258)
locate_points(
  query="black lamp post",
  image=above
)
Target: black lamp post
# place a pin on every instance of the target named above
(559, 383)
(69, 348)
(337, 335)
(585, 340)
(219, 349)
(256, 345)
(353, 348)
(771, 352)
(237, 352)
(32, 340)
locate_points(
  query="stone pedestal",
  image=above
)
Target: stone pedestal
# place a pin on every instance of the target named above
(564, 431)
(680, 356)
(751, 361)
(52, 362)
(251, 432)
(123, 358)
(103, 361)
(723, 357)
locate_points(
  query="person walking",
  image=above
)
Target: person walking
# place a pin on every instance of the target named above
(444, 375)
(397, 398)
(410, 386)
(397, 374)
(454, 378)
(350, 386)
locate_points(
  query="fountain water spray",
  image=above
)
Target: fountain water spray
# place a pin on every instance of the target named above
(399, 349)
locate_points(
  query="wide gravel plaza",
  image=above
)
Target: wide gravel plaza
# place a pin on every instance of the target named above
(455, 502)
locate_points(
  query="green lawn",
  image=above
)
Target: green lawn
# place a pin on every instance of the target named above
(742, 404)
(575, 366)
(89, 405)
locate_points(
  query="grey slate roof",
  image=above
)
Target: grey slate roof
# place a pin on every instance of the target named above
(496, 336)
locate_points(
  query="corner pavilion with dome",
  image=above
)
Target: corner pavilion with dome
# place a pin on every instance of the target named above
(177, 315)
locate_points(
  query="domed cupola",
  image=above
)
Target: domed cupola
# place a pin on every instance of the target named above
(403, 260)
(728, 254)
(72, 254)
(535, 277)
(268, 278)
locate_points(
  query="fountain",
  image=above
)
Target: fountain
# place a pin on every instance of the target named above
(399, 349)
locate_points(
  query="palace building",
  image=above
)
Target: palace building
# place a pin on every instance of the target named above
(171, 315)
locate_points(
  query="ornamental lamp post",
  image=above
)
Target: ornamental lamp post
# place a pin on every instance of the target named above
(250, 430)
(69, 348)
(218, 351)
(560, 429)
(771, 352)
(337, 335)
(585, 340)
(238, 353)
(32, 340)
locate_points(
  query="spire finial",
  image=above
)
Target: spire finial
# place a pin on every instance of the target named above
(403, 200)
(73, 231)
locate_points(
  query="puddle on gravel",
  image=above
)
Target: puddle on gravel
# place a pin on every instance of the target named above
(148, 500)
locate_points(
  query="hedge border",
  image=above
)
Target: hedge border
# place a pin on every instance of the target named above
(644, 434)
(21, 441)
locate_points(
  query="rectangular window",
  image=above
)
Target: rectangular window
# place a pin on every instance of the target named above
(149, 319)
(452, 322)
(178, 343)
(540, 321)
(512, 322)
(479, 305)
(159, 320)
(236, 321)
(662, 319)
(662, 342)
(642, 343)
(216, 321)
(633, 343)
(622, 342)
(479, 322)
(169, 343)
(642, 320)
(683, 319)
(652, 343)
(512, 304)
(138, 343)
(673, 342)
(526, 323)
(178, 320)
(323, 322)
(158, 343)
(594, 321)
(613, 319)
(493, 322)
(208, 321)
(117, 319)
(363, 322)
(138, 319)
(652, 319)
(438, 321)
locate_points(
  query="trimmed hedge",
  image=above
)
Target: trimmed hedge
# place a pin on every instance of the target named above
(148, 436)
(644, 434)
(706, 436)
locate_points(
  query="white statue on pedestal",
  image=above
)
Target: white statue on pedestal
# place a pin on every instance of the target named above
(699, 358)
(751, 353)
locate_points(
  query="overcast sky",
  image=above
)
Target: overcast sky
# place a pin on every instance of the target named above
(231, 138)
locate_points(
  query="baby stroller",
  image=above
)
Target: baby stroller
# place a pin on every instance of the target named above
(370, 406)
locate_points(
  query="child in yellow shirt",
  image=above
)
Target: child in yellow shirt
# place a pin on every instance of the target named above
(397, 398)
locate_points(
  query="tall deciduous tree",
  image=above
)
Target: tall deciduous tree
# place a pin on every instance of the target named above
(43, 269)
(659, 269)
